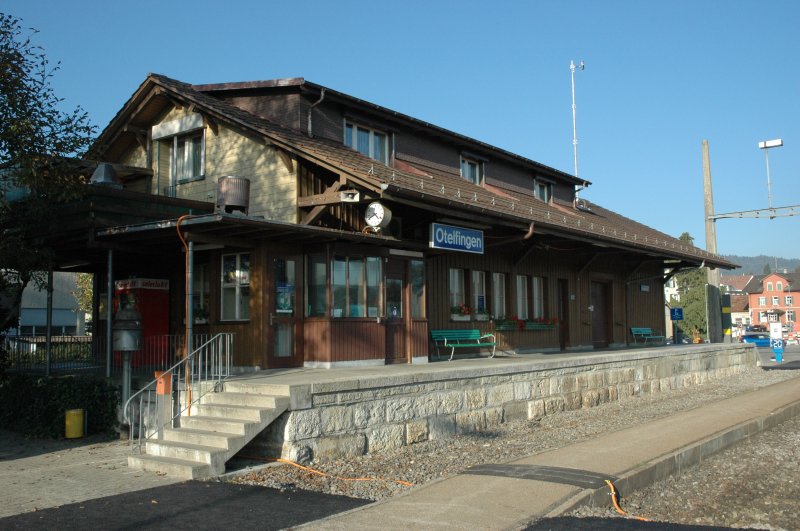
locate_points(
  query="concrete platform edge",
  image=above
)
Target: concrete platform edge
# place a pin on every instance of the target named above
(669, 464)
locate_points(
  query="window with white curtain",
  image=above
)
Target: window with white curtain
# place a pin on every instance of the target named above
(537, 288)
(456, 288)
(522, 296)
(479, 292)
(235, 282)
(499, 294)
(367, 141)
(542, 191)
(471, 170)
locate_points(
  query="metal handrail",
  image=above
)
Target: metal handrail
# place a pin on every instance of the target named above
(208, 364)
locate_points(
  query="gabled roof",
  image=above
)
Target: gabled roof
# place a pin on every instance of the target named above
(736, 282)
(740, 303)
(591, 223)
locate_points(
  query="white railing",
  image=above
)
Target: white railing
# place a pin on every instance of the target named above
(154, 407)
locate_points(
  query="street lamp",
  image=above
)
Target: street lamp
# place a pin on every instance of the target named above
(572, 68)
(766, 145)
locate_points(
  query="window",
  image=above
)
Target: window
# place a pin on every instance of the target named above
(769, 286)
(776, 300)
(790, 316)
(522, 296)
(779, 286)
(538, 292)
(456, 289)
(479, 292)
(200, 292)
(235, 287)
(316, 306)
(356, 283)
(499, 294)
(789, 299)
(471, 170)
(366, 141)
(417, 269)
(762, 301)
(762, 317)
(542, 191)
(181, 151)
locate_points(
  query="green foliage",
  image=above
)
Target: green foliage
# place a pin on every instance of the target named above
(36, 405)
(83, 293)
(692, 290)
(38, 143)
(767, 269)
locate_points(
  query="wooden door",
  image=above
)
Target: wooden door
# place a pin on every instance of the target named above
(601, 315)
(284, 334)
(396, 320)
(563, 313)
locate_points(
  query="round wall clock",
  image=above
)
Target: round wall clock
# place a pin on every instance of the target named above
(377, 215)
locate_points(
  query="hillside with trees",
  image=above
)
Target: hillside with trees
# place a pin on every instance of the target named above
(762, 264)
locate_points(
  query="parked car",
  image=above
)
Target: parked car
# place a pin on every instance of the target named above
(756, 328)
(760, 339)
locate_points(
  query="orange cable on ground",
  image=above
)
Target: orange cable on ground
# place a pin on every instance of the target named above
(614, 497)
(320, 473)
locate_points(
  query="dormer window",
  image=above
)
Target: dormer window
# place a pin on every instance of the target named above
(367, 141)
(181, 151)
(542, 190)
(471, 170)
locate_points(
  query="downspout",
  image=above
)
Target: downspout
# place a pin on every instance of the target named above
(109, 309)
(311, 109)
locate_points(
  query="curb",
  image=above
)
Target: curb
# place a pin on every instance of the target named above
(667, 465)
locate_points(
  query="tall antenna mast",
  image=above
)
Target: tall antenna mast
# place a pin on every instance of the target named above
(572, 68)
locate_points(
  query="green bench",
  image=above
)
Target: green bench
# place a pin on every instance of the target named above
(645, 335)
(454, 339)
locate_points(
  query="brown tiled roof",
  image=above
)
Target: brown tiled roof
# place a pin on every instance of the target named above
(740, 303)
(737, 282)
(593, 222)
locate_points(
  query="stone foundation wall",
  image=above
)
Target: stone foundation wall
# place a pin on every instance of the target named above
(347, 418)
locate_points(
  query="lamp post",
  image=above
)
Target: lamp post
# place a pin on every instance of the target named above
(766, 145)
(572, 68)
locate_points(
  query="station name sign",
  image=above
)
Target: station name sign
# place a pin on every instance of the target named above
(456, 238)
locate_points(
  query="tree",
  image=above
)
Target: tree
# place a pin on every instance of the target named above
(692, 289)
(767, 270)
(38, 144)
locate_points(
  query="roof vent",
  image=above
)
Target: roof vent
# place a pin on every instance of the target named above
(580, 204)
(233, 194)
(104, 175)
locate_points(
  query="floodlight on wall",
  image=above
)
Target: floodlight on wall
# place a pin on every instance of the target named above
(105, 175)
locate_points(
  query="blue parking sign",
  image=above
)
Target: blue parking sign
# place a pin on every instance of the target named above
(777, 349)
(676, 314)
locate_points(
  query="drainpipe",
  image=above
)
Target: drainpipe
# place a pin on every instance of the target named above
(109, 309)
(311, 109)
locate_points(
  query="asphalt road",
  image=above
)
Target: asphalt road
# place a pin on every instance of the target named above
(196, 505)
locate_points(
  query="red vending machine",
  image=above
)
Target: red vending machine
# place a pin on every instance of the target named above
(150, 297)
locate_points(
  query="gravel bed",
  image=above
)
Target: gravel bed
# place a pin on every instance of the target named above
(423, 462)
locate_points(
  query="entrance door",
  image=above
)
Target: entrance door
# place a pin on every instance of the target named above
(284, 334)
(395, 312)
(563, 313)
(601, 314)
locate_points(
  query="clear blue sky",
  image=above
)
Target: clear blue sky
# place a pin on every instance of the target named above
(660, 77)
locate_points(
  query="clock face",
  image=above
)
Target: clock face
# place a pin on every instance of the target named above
(375, 214)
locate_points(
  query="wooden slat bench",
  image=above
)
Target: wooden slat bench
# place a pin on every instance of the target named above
(645, 335)
(454, 339)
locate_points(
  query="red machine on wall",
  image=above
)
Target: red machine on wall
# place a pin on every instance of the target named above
(150, 297)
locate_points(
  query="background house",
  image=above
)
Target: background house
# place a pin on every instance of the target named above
(774, 298)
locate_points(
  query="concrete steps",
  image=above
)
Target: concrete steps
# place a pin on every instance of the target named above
(218, 427)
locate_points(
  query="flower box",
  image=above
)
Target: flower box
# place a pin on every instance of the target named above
(539, 326)
(459, 317)
(482, 316)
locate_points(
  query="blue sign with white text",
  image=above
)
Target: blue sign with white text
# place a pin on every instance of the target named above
(456, 238)
(676, 314)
